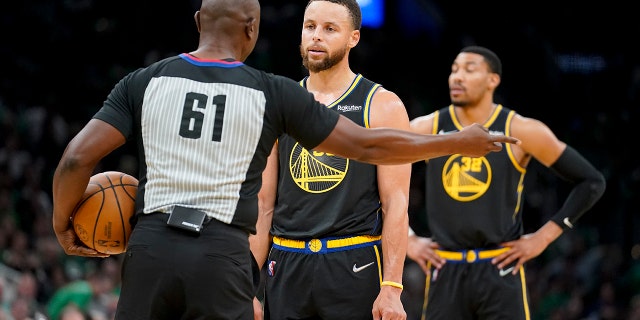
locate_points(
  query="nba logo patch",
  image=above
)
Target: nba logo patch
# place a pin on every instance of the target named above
(271, 270)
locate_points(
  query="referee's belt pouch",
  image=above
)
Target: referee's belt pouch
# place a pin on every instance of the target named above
(186, 219)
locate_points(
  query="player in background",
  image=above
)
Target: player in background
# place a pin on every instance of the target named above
(475, 257)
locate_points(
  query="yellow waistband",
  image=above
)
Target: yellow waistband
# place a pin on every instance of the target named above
(325, 244)
(471, 256)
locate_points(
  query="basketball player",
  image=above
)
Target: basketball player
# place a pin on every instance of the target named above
(475, 258)
(338, 223)
(204, 124)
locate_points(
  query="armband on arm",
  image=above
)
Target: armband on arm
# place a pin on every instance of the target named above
(588, 186)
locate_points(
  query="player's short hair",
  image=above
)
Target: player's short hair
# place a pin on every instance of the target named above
(495, 65)
(354, 10)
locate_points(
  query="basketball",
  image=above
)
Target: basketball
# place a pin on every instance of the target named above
(101, 218)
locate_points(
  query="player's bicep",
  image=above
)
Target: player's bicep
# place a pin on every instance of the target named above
(537, 139)
(387, 110)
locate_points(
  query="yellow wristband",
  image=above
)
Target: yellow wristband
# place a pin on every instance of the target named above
(393, 284)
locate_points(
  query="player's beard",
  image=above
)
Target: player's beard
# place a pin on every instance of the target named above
(324, 64)
(459, 103)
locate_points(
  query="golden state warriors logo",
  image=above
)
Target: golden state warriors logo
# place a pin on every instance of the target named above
(316, 172)
(465, 178)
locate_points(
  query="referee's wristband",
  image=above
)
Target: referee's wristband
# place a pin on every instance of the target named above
(393, 284)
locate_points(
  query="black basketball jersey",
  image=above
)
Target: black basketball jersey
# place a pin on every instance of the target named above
(204, 130)
(322, 195)
(474, 202)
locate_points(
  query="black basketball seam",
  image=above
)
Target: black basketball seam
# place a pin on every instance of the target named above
(95, 224)
(132, 197)
(115, 195)
(83, 200)
(122, 222)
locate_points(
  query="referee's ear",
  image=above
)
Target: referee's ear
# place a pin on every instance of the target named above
(196, 17)
(251, 28)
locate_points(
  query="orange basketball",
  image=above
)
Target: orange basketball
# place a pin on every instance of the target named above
(101, 218)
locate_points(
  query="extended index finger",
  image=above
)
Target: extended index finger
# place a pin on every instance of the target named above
(506, 139)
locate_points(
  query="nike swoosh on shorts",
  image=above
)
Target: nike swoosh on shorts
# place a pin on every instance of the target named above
(505, 272)
(358, 269)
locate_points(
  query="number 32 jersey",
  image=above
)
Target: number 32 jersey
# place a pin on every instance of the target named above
(474, 202)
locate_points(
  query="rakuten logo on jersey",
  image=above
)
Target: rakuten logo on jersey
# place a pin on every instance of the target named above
(348, 108)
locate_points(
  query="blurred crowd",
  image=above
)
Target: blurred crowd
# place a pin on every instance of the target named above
(573, 76)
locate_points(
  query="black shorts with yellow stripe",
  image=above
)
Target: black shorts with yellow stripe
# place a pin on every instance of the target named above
(469, 286)
(307, 279)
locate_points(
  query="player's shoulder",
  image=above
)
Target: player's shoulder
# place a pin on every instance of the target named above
(384, 97)
(525, 127)
(387, 109)
(518, 120)
(387, 101)
(522, 120)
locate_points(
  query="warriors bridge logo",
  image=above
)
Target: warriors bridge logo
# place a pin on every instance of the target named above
(316, 172)
(465, 178)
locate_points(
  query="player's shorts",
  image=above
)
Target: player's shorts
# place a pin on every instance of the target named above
(322, 279)
(473, 288)
(172, 274)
